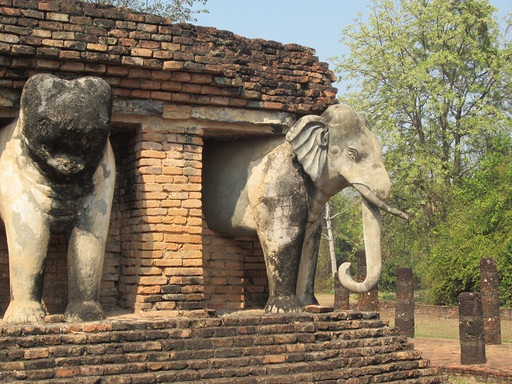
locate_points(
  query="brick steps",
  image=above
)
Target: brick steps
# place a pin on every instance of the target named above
(352, 347)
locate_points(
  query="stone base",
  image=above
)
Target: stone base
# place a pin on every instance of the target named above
(337, 347)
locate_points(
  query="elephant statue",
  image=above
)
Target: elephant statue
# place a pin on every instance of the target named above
(276, 189)
(58, 175)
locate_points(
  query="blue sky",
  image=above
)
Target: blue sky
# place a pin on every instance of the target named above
(317, 24)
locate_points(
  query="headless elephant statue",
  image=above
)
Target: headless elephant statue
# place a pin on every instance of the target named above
(276, 189)
(58, 175)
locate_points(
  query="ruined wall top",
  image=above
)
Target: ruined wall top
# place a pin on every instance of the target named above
(147, 57)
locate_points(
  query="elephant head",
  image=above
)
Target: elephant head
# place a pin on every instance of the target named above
(65, 139)
(337, 150)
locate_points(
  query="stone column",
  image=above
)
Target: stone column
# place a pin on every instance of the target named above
(367, 301)
(404, 311)
(471, 329)
(490, 301)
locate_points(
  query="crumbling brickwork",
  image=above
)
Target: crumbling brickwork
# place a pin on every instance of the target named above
(300, 348)
(147, 57)
(175, 86)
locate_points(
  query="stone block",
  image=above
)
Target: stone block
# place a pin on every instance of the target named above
(471, 328)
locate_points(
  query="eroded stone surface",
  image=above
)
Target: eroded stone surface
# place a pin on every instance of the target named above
(276, 188)
(58, 175)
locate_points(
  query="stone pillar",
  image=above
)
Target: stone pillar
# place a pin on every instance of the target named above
(404, 311)
(471, 329)
(341, 295)
(490, 301)
(367, 301)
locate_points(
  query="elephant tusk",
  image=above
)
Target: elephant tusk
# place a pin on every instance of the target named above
(368, 195)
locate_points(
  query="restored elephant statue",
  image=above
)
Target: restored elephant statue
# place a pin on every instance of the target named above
(277, 189)
(58, 174)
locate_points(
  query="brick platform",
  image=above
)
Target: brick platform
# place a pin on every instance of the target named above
(248, 347)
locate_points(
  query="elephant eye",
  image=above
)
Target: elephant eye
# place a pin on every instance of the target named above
(352, 154)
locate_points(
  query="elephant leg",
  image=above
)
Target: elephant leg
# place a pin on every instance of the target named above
(281, 234)
(308, 262)
(86, 246)
(281, 260)
(85, 267)
(27, 242)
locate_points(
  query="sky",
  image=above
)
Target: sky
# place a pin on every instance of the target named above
(316, 24)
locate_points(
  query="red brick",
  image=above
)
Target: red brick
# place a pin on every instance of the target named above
(97, 47)
(173, 66)
(132, 61)
(142, 52)
(36, 353)
(161, 95)
(141, 94)
(117, 71)
(73, 55)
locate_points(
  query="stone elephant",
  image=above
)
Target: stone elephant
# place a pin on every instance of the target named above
(276, 188)
(58, 175)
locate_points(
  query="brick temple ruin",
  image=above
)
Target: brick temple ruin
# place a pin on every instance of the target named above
(176, 86)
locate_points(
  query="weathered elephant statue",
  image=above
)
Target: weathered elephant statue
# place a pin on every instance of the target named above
(277, 188)
(58, 173)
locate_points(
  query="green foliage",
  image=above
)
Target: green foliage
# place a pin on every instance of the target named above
(177, 10)
(479, 225)
(433, 77)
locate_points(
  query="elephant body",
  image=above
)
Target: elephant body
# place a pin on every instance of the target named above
(257, 188)
(58, 175)
(277, 188)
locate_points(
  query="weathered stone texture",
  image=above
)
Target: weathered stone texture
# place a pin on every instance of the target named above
(489, 289)
(404, 313)
(471, 329)
(147, 57)
(339, 347)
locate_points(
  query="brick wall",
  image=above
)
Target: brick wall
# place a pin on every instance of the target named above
(235, 276)
(147, 57)
(174, 86)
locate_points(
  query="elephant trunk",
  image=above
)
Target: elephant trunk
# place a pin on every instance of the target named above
(372, 220)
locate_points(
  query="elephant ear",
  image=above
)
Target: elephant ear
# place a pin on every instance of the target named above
(309, 138)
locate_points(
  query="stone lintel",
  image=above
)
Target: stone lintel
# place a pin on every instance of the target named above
(202, 120)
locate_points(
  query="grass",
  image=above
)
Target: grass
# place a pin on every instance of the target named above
(442, 328)
(429, 326)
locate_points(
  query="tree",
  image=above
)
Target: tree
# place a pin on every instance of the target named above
(483, 230)
(177, 10)
(432, 77)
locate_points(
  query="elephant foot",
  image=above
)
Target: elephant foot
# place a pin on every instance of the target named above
(283, 304)
(84, 311)
(24, 312)
(308, 299)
